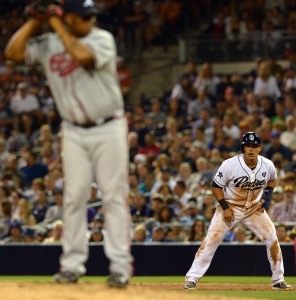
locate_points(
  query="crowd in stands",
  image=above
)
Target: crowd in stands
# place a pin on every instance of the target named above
(176, 143)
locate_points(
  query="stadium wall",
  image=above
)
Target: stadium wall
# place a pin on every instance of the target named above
(157, 259)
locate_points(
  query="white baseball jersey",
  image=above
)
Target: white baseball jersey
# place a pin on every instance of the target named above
(242, 188)
(241, 185)
(72, 84)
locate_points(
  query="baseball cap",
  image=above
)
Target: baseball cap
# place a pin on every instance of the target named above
(57, 191)
(192, 204)
(158, 197)
(98, 218)
(140, 158)
(41, 231)
(16, 224)
(275, 134)
(22, 86)
(80, 7)
(29, 232)
(278, 189)
(158, 226)
(165, 169)
(289, 188)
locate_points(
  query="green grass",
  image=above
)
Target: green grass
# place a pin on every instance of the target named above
(271, 295)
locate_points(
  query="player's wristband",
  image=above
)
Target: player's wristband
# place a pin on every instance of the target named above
(223, 204)
(267, 193)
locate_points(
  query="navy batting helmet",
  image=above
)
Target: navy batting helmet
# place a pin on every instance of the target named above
(250, 138)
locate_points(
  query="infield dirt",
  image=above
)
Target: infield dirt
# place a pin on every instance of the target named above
(98, 291)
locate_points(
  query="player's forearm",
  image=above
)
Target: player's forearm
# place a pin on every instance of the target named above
(271, 184)
(218, 193)
(74, 47)
(16, 48)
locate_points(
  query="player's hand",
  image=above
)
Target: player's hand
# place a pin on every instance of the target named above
(43, 10)
(228, 215)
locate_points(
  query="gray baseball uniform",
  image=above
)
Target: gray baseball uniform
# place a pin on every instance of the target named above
(243, 188)
(86, 96)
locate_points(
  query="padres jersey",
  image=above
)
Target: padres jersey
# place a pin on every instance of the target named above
(81, 94)
(242, 185)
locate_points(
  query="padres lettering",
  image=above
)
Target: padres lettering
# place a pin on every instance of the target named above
(244, 182)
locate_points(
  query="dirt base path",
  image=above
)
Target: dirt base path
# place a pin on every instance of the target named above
(99, 291)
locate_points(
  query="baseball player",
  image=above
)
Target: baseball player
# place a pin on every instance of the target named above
(243, 187)
(80, 64)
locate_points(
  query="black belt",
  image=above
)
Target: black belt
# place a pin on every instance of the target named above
(93, 124)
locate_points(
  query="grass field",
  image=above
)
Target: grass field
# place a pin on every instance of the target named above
(176, 283)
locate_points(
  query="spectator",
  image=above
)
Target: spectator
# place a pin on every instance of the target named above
(25, 106)
(197, 231)
(288, 137)
(151, 147)
(282, 233)
(3, 153)
(159, 233)
(141, 210)
(17, 140)
(176, 233)
(94, 197)
(40, 206)
(265, 83)
(97, 221)
(139, 233)
(44, 135)
(29, 235)
(146, 186)
(190, 72)
(191, 213)
(24, 214)
(96, 236)
(182, 93)
(165, 215)
(41, 234)
(32, 169)
(229, 128)
(15, 233)
(56, 235)
(277, 197)
(196, 105)
(207, 80)
(55, 211)
(181, 194)
(125, 78)
(165, 178)
(283, 210)
(5, 219)
(156, 117)
(276, 146)
(157, 201)
(240, 235)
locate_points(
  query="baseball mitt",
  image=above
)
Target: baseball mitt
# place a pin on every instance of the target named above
(43, 9)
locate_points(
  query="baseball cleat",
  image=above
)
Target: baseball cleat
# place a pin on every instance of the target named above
(189, 286)
(282, 286)
(65, 277)
(117, 280)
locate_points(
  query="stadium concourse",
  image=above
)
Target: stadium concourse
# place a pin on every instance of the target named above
(176, 141)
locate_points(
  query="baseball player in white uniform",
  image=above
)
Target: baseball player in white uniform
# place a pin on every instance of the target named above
(243, 187)
(80, 64)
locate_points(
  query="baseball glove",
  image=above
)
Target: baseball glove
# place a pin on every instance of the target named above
(43, 9)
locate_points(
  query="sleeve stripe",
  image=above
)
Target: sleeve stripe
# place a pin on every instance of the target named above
(216, 185)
